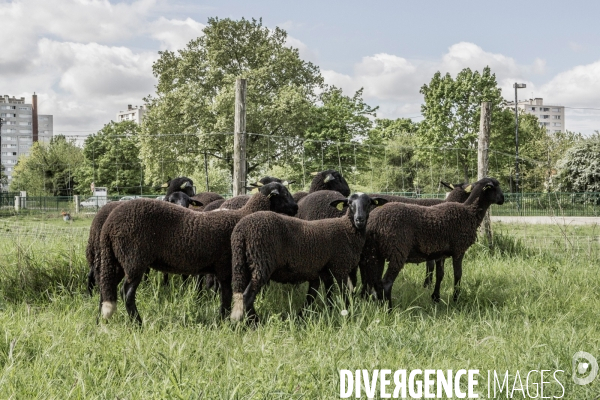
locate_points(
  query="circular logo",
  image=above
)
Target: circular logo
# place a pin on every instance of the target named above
(585, 368)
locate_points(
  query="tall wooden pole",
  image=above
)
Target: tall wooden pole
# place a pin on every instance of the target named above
(483, 159)
(239, 139)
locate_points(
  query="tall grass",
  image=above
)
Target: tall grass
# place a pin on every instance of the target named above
(522, 308)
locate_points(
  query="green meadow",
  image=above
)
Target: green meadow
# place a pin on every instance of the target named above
(528, 304)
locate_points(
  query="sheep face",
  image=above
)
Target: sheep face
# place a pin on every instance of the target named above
(332, 180)
(490, 188)
(359, 205)
(182, 199)
(281, 199)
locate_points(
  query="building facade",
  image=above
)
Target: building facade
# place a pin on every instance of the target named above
(21, 126)
(550, 117)
(135, 114)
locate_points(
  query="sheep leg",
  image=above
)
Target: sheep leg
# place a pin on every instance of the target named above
(130, 288)
(91, 281)
(394, 268)
(457, 264)
(249, 297)
(428, 273)
(226, 296)
(353, 276)
(439, 276)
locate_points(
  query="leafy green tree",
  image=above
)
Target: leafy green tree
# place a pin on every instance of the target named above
(397, 166)
(3, 177)
(579, 169)
(112, 159)
(452, 111)
(196, 92)
(49, 170)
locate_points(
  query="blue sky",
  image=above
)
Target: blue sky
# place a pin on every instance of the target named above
(87, 59)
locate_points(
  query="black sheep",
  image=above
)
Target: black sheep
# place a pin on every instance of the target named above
(207, 198)
(404, 233)
(237, 202)
(267, 246)
(326, 180)
(145, 233)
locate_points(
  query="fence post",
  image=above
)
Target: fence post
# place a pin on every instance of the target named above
(482, 161)
(76, 200)
(17, 203)
(239, 139)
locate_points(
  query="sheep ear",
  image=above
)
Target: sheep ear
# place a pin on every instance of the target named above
(257, 184)
(274, 192)
(255, 190)
(448, 185)
(329, 178)
(164, 185)
(286, 183)
(196, 203)
(314, 173)
(339, 204)
(378, 201)
(184, 185)
(469, 188)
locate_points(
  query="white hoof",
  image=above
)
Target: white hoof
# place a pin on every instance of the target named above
(238, 307)
(108, 309)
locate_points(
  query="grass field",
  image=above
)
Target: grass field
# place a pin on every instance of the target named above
(523, 307)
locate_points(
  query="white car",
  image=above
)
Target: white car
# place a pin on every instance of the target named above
(94, 201)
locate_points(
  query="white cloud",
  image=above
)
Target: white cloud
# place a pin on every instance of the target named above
(174, 34)
(394, 82)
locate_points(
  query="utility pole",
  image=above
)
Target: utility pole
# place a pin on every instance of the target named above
(483, 160)
(1, 121)
(239, 139)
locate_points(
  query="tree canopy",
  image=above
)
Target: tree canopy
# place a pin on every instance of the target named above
(579, 169)
(112, 159)
(49, 170)
(195, 95)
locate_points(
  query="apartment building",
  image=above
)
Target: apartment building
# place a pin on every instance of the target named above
(132, 114)
(21, 126)
(550, 117)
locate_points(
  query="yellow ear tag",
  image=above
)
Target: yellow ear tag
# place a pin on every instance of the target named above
(486, 187)
(314, 173)
(376, 202)
(340, 206)
(255, 190)
(451, 185)
(468, 188)
(184, 185)
(164, 185)
(259, 184)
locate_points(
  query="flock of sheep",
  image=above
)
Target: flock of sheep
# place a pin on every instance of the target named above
(326, 235)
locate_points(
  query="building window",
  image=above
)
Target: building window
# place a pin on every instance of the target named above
(24, 115)
(25, 131)
(8, 115)
(24, 139)
(8, 107)
(531, 108)
(545, 109)
(8, 169)
(8, 138)
(556, 110)
(556, 117)
(24, 123)
(24, 108)
(10, 130)
(544, 116)
(8, 145)
(10, 122)
(556, 124)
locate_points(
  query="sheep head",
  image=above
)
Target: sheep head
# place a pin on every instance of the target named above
(359, 206)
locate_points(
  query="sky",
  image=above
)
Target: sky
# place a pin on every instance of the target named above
(88, 59)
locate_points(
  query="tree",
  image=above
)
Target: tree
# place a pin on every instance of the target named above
(49, 170)
(195, 98)
(112, 159)
(3, 177)
(579, 170)
(452, 111)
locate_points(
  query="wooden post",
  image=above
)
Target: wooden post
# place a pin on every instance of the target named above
(76, 201)
(483, 159)
(239, 139)
(17, 203)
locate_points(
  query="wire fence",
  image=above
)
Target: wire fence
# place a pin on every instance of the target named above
(366, 164)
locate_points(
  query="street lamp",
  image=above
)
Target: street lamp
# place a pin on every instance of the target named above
(517, 86)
